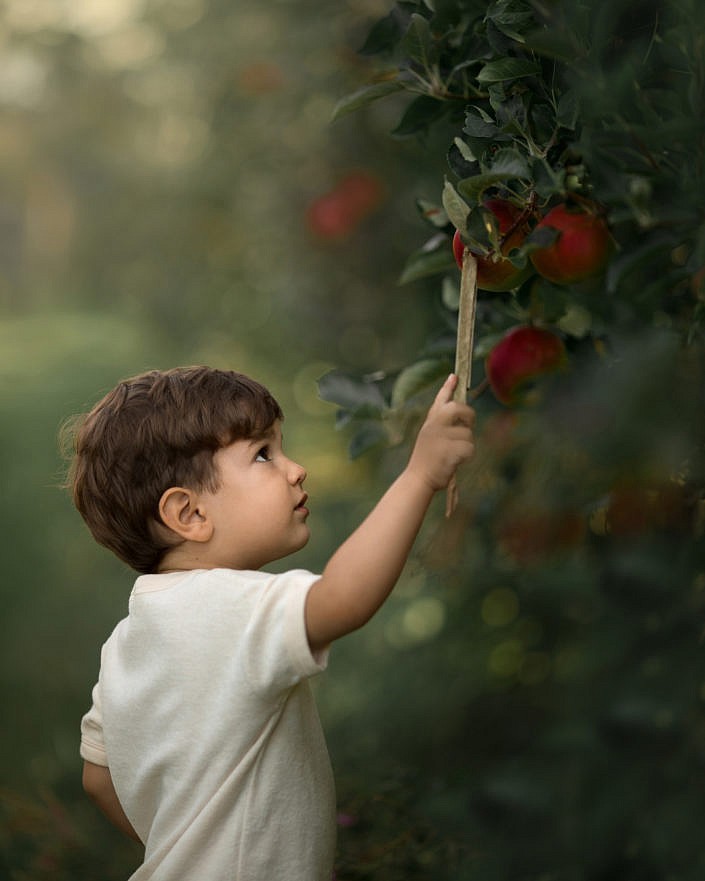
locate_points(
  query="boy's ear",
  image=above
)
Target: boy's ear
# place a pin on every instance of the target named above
(180, 512)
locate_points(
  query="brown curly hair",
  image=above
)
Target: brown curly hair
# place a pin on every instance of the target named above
(153, 431)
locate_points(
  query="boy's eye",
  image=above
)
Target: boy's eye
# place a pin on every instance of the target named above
(263, 455)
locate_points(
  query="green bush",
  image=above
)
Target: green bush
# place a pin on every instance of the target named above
(554, 724)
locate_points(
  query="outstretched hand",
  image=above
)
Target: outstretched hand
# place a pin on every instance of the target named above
(364, 569)
(445, 439)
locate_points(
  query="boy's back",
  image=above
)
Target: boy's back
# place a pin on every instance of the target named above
(214, 743)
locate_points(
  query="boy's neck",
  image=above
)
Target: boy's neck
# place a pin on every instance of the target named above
(188, 556)
(182, 559)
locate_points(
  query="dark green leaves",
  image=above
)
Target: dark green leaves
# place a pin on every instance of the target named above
(557, 102)
(418, 43)
(507, 165)
(434, 257)
(507, 69)
(386, 33)
(420, 115)
(359, 397)
(372, 405)
(418, 377)
(361, 402)
(366, 95)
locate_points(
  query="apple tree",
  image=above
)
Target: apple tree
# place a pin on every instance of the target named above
(573, 569)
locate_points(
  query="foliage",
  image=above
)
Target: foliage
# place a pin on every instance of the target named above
(599, 107)
(567, 734)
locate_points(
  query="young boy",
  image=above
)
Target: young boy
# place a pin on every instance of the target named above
(203, 740)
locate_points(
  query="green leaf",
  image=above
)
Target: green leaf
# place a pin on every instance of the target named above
(543, 123)
(418, 43)
(350, 393)
(450, 293)
(509, 32)
(473, 187)
(461, 159)
(420, 115)
(414, 379)
(551, 299)
(512, 114)
(456, 208)
(568, 110)
(497, 95)
(386, 33)
(479, 124)
(370, 435)
(484, 344)
(498, 42)
(366, 95)
(507, 69)
(432, 214)
(508, 164)
(477, 233)
(482, 113)
(426, 262)
(509, 15)
(464, 150)
(547, 181)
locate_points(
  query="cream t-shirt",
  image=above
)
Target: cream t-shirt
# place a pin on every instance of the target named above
(204, 715)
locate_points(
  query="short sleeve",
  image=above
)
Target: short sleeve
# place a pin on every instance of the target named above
(277, 652)
(92, 744)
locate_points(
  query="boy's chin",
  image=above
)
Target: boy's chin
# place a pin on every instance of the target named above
(297, 544)
(293, 548)
(305, 539)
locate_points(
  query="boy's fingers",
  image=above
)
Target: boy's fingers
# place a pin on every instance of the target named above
(445, 393)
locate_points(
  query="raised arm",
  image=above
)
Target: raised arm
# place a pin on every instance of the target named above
(365, 568)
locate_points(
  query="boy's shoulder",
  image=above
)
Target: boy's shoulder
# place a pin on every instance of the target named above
(195, 620)
(199, 592)
(212, 604)
(199, 579)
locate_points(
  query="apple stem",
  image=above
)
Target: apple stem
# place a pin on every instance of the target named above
(463, 349)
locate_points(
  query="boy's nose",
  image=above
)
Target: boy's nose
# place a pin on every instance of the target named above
(298, 473)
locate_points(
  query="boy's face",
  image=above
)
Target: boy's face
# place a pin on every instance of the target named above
(258, 511)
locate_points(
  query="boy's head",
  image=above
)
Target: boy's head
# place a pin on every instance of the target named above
(154, 431)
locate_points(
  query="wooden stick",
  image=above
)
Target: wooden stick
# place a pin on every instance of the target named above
(463, 349)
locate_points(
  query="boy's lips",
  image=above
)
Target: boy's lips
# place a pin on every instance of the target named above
(301, 506)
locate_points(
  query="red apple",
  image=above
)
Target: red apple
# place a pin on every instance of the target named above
(581, 249)
(522, 355)
(362, 191)
(337, 213)
(329, 218)
(496, 272)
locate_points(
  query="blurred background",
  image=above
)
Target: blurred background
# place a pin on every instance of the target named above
(529, 703)
(173, 192)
